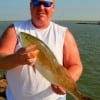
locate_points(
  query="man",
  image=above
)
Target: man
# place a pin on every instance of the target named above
(24, 81)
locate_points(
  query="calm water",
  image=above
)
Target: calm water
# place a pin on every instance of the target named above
(88, 40)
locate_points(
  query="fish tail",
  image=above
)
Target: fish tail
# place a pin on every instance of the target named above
(85, 98)
(80, 96)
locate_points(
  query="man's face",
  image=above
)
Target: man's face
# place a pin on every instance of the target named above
(41, 10)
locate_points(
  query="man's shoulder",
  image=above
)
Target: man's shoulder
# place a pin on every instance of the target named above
(22, 22)
(58, 25)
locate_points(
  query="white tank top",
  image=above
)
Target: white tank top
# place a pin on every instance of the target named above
(24, 83)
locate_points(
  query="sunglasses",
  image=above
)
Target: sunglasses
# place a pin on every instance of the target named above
(37, 3)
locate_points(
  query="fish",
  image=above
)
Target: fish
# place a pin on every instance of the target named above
(50, 68)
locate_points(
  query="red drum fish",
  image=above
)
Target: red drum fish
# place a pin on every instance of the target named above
(49, 67)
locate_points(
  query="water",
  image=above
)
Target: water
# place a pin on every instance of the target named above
(88, 40)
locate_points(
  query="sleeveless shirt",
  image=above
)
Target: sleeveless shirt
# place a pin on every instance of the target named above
(23, 82)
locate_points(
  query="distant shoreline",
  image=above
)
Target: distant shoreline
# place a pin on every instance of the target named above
(80, 22)
(69, 21)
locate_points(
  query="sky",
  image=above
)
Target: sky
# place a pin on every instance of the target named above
(65, 10)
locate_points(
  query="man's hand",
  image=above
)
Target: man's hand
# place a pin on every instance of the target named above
(27, 55)
(57, 89)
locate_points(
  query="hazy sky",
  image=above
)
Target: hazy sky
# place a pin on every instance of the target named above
(65, 9)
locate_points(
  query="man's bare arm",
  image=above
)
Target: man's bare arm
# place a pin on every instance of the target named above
(71, 56)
